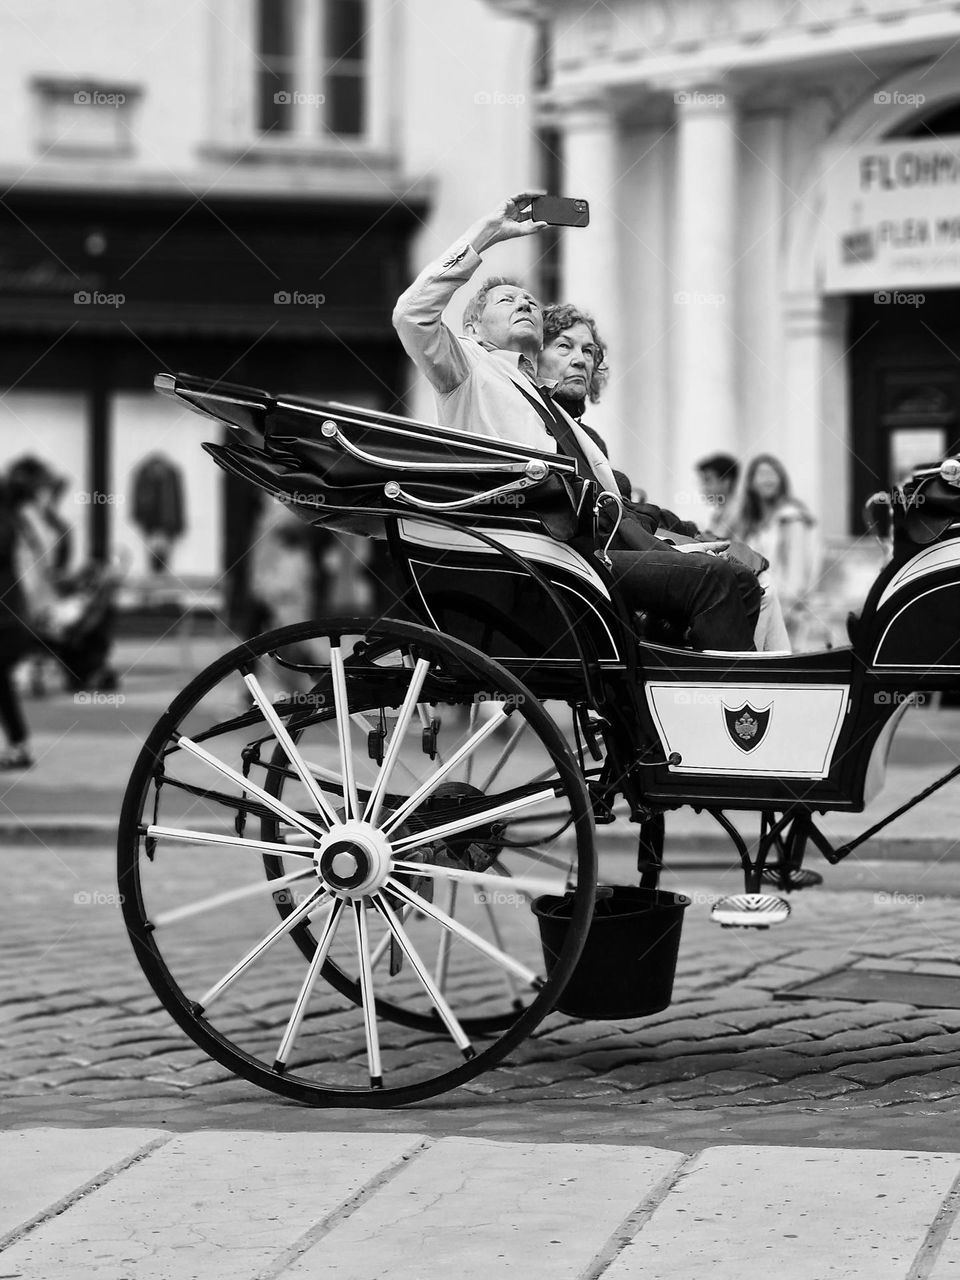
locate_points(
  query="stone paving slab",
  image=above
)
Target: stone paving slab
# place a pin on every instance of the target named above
(208, 1206)
(221, 1206)
(46, 1167)
(474, 1209)
(741, 1212)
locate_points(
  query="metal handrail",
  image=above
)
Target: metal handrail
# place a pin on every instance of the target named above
(535, 468)
(393, 491)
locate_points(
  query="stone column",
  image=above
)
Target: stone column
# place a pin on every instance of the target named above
(813, 440)
(704, 391)
(590, 257)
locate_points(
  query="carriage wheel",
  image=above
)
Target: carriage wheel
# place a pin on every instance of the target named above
(505, 843)
(393, 923)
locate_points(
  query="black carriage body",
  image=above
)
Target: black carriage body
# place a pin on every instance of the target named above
(480, 528)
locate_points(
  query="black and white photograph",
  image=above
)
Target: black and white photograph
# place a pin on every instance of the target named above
(480, 639)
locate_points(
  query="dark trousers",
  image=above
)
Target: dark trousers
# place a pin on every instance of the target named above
(718, 599)
(11, 716)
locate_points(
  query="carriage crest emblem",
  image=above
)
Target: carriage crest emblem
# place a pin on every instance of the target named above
(746, 726)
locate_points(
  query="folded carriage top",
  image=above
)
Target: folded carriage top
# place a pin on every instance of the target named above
(333, 463)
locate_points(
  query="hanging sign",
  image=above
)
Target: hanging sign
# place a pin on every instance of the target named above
(892, 218)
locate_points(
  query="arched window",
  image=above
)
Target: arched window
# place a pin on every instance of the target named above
(312, 67)
(939, 122)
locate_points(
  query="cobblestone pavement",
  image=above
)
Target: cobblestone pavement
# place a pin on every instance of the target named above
(85, 1041)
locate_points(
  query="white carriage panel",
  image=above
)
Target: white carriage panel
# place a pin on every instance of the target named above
(538, 547)
(943, 556)
(785, 730)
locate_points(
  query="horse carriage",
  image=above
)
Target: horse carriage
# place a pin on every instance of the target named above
(371, 889)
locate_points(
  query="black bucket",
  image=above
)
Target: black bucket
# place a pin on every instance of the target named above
(628, 962)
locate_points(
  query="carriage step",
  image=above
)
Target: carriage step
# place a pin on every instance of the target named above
(795, 877)
(749, 911)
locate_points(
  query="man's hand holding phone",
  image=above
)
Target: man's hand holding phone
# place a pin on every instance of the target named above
(526, 214)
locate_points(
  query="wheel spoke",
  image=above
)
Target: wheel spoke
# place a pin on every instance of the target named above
(412, 802)
(367, 996)
(300, 1006)
(496, 954)
(397, 738)
(423, 711)
(262, 947)
(282, 736)
(365, 727)
(508, 749)
(247, 784)
(471, 729)
(231, 842)
(439, 1003)
(380, 950)
(443, 946)
(509, 980)
(471, 820)
(351, 804)
(230, 896)
(484, 879)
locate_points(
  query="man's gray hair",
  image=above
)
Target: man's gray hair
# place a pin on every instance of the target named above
(474, 308)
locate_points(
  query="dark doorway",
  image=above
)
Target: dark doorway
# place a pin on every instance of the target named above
(904, 385)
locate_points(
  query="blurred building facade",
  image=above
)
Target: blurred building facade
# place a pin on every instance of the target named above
(774, 252)
(238, 189)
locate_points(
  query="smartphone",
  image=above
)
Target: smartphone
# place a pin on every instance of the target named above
(560, 211)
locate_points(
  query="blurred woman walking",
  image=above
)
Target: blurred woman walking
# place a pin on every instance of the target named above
(782, 529)
(15, 637)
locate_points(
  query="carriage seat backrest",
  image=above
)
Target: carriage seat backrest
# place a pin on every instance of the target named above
(465, 587)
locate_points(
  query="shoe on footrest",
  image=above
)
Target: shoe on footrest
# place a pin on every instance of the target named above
(749, 911)
(790, 877)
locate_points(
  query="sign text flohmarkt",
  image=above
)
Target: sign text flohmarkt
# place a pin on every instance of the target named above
(893, 217)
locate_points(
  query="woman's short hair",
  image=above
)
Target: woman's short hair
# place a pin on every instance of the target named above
(559, 316)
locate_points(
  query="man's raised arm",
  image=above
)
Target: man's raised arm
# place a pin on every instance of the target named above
(418, 315)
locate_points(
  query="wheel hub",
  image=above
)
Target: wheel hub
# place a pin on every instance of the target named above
(353, 859)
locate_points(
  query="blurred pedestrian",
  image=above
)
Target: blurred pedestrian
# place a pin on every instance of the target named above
(783, 530)
(718, 476)
(44, 552)
(283, 582)
(15, 637)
